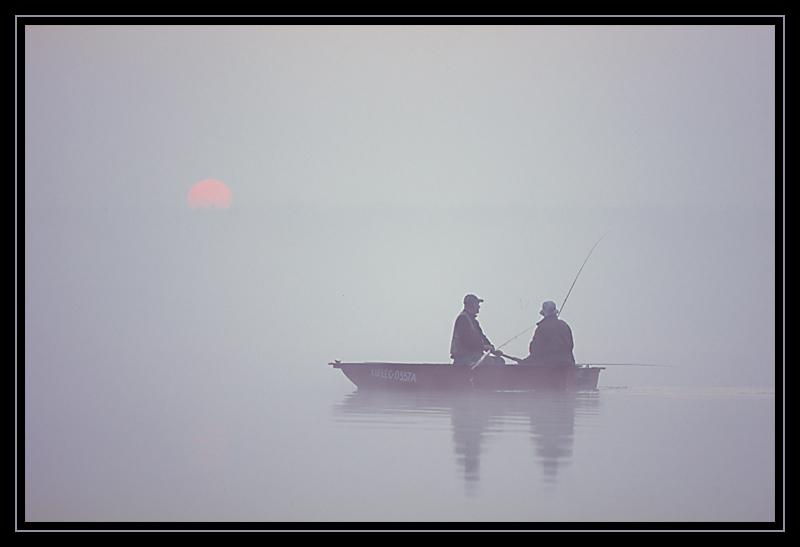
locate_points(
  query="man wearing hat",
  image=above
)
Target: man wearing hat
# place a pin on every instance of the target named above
(552, 341)
(469, 342)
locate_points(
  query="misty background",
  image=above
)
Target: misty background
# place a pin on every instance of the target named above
(379, 174)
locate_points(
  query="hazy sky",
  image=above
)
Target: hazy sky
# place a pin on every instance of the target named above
(548, 116)
(379, 173)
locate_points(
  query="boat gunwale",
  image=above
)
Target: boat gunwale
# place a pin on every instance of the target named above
(339, 364)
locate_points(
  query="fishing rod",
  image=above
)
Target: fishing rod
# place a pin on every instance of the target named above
(559, 311)
(579, 273)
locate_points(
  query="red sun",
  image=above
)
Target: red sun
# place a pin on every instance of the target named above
(210, 192)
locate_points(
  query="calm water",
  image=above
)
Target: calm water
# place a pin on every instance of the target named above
(175, 370)
(229, 450)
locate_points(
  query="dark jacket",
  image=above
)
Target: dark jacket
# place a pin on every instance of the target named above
(551, 344)
(468, 338)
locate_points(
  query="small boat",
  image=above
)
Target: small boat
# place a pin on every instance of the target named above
(445, 376)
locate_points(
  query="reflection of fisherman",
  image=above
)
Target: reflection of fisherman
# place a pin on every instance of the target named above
(552, 341)
(469, 342)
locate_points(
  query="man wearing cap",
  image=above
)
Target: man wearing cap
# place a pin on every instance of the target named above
(552, 341)
(469, 343)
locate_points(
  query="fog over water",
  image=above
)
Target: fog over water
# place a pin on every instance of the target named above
(175, 360)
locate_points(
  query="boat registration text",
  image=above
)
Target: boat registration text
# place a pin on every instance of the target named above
(400, 375)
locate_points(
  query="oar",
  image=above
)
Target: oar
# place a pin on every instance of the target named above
(501, 354)
(496, 352)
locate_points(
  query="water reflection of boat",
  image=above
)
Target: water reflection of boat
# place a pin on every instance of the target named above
(478, 420)
(488, 377)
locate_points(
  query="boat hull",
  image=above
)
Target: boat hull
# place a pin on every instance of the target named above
(438, 376)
